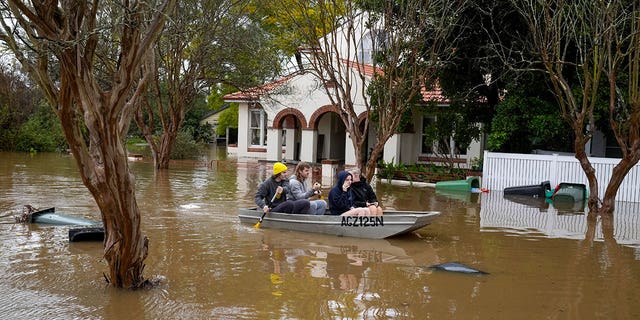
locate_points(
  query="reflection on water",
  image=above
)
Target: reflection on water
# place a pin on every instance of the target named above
(539, 262)
(527, 215)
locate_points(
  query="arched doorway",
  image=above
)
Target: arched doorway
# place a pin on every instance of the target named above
(331, 137)
(290, 122)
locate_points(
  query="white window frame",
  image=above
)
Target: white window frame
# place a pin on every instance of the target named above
(365, 49)
(260, 127)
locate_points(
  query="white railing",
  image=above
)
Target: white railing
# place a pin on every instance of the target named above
(502, 170)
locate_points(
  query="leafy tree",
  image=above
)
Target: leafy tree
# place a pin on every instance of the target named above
(228, 119)
(19, 99)
(411, 46)
(475, 79)
(582, 45)
(204, 44)
(408, 44)
(85, 56)
(446, 127)
(42, 132)
(200, 133)
(528, 118)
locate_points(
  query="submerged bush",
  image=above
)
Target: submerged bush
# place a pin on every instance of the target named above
(41, 133)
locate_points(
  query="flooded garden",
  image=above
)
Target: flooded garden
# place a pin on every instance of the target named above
(539, 262)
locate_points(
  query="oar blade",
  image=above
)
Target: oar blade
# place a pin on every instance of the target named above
(257, 225)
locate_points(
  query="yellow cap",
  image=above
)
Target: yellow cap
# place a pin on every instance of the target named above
(278, 168)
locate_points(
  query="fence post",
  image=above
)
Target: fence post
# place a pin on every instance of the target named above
(484, 181)
(554, 171)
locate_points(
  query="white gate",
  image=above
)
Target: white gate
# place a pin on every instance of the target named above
(502, 170)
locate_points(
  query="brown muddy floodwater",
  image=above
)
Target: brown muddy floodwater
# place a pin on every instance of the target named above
(540, 265)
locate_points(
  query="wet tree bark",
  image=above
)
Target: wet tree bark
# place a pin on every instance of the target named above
(95, 110)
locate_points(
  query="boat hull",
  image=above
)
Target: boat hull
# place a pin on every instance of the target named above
(392, 223)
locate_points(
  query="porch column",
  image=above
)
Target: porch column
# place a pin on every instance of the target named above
(291, 143)
(392, 150)
(243, 130)
(349, 151)
(274, 144)
(308, 150)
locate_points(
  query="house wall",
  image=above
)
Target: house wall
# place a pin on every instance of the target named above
(212, 119)
(242, 149)
(409, 148)
(243, 129)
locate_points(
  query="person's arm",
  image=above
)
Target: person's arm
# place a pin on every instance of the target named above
(286, 189)
(300, 193)
(371, 195)
(359, 204)
(339, 201)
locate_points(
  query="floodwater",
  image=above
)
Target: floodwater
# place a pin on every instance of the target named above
(540, 263)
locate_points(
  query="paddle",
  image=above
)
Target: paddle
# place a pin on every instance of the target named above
(257, 225)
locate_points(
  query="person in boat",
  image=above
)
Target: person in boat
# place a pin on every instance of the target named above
(341, 198)
(363, 194)
(272, 194)
(299, 189)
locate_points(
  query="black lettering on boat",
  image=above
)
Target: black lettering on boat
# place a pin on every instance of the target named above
(365, 221)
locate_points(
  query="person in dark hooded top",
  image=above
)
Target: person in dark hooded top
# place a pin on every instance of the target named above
(341, 199)
(363, 194)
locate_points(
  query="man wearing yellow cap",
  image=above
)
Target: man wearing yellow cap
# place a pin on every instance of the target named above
(272, 194)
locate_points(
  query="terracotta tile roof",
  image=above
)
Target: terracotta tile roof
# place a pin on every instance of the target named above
(253, 94)
(434, 95)
(366, 69)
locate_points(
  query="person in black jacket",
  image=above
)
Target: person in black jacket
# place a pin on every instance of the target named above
(363, 194)
(341, 198)
(272, 194)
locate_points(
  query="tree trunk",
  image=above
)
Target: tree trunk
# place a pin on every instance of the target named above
(164, 153)
(113, 187)
(59, 46)
(125, 248)
(619, 173)
(590, 173)
(372, 162)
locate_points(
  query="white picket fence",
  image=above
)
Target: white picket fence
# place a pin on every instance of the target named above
(502, 170)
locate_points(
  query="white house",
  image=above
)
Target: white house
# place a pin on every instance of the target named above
(212, 118)
(292, 118)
